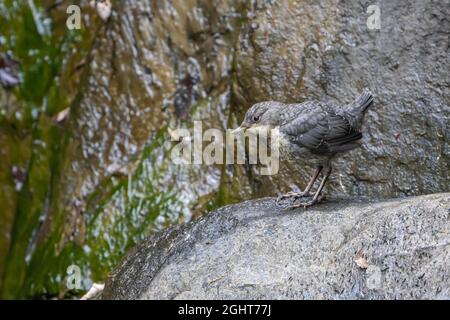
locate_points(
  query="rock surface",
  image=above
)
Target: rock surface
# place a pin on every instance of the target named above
(254, 250)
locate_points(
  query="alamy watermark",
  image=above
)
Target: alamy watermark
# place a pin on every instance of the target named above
(213, 146)
(374, 20)
(73, 21)
(73, 279)
(103, 8)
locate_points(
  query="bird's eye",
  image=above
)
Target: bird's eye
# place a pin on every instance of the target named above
(256, 118)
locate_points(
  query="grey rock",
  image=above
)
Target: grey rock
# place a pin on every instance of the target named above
(253, 250)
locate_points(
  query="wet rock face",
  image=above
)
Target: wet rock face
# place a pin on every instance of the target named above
(153, 66)
(296, 51)
(254, 250)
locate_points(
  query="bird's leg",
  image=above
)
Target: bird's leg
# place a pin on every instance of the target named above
(304, 193)
(312, 180)
(317, 196)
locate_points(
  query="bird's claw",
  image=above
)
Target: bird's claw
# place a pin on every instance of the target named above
(289, 195)
(303, 205)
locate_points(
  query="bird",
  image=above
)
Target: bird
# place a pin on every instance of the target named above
(313, 131)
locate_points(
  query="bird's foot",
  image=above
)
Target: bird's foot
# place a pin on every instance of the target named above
(306, 204)
(291, 195)
(303, 204)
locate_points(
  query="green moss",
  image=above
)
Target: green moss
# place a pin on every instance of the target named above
(44, 60)
(123, 216)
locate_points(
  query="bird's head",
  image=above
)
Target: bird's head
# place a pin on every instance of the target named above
(262, 114)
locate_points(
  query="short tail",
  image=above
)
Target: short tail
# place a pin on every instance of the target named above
(362, 103)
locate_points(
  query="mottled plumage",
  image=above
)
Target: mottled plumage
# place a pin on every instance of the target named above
(312, 131)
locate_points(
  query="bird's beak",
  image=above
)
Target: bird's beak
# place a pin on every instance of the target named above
(238, 129)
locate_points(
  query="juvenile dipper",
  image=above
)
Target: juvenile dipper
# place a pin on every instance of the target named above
(311, 131)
